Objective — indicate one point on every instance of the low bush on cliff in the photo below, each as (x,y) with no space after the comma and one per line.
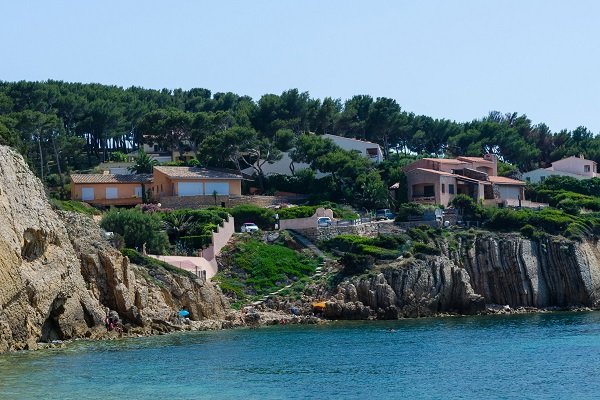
(74,206)
(381,247)
(422,248)
(549,220)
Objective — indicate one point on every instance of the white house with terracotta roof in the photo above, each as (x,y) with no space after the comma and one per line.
(574,167)
(439,180)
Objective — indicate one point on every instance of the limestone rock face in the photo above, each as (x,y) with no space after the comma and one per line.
(552,272)
(407,288)
(504,269)
(59,275)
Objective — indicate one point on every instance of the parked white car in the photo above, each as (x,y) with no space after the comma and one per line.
(249,227)
(324,222)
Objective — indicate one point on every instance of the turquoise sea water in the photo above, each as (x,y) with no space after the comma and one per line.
(524,356)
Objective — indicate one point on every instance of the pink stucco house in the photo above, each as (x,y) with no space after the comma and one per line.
(439,180)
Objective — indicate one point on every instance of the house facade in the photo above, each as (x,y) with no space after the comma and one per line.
(439,180)
(126,190)
(192,181)
(109,189)
(574,167)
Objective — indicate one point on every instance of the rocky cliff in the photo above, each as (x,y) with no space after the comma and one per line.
(486,269)
(59,276)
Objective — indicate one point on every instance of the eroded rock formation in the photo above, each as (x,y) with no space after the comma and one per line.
(59,275)
(504,269)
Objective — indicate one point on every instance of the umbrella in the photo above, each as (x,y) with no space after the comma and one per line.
(184,313)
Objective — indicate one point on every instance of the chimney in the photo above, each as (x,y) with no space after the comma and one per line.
(490,157)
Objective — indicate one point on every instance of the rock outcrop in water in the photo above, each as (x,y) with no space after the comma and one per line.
(487,269)
(58,274)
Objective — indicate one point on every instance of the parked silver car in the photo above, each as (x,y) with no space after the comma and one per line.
(249,227)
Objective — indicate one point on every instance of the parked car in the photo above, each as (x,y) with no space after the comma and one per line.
(324,221)
(384,213)
(249,227)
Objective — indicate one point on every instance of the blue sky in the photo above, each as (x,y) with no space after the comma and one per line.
(447,59)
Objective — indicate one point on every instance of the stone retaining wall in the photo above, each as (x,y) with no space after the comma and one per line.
(371,229)
(177,202)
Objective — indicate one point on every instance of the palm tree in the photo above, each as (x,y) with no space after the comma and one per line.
(143,165)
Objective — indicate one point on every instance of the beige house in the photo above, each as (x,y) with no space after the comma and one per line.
(439,180)
(126,190)
(192,181)
(574,167)
(109,189)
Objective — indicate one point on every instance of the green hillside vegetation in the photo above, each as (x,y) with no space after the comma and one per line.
(61,127)
(179,232)
(74,206)
(256,268)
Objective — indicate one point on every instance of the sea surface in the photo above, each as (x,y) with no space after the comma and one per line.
(533,356)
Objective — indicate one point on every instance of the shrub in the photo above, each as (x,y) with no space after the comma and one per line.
(74,206)
(570,206)
(409,210)
(137,229)
(354,264)
(264,218)
(528,231)
(422,248)
(297,212)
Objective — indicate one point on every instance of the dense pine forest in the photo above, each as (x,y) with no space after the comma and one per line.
(60,127)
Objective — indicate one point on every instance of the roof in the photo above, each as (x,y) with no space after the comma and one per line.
(195,173)
(111,178)
(476,159)
(445,160)
(575,157)
(501,180)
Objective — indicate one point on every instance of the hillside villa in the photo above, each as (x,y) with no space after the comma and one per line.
(574,167)
(439,180)
(113,189)
(109,189)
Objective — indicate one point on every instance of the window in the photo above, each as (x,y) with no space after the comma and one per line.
(528,179)
(443,188)
(451,188)
(156,147)
(428,191)
(586,168)
(542,178)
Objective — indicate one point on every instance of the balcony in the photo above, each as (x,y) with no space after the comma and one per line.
(423,199)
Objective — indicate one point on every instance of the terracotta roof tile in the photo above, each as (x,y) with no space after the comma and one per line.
(445,160)
(111,178)
(195,173)
(475,159)
(501,180)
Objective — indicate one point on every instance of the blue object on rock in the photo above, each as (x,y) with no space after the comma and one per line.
(184,313)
